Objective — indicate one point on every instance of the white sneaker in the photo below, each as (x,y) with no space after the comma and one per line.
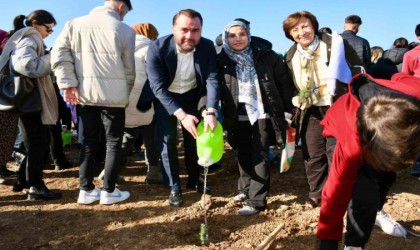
(241,197)
(114,197)
(352,248)
(88,197)
(389,225)
(248,210)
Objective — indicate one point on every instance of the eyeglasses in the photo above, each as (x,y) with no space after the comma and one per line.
(49,29)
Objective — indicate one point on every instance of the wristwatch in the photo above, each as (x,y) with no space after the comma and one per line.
(211,113)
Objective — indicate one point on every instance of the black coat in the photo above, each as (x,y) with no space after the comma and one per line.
(389,64)
(277,89)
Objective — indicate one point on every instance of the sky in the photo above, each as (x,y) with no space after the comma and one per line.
(383,21)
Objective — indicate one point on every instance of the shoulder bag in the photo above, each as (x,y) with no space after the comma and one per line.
(18,93)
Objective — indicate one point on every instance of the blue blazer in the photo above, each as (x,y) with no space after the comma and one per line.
(161,68)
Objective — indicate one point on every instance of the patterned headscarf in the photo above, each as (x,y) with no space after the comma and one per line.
(146,29)
(249,89)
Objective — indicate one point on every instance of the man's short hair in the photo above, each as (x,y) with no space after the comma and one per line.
(243,20)
(127,2)
(353,19)
(389,131)
(189,13)
(417,30)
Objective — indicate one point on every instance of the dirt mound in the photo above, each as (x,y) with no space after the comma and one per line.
(146,221)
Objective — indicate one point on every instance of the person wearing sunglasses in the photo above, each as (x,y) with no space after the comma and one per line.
(25,49)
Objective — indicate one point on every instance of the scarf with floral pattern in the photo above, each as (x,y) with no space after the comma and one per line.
(248,85)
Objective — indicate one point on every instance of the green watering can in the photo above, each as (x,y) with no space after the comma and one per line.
(209,144)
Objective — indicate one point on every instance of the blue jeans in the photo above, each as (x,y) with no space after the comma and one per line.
(415,169)
(112,119)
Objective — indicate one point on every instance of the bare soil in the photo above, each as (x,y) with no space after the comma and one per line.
(146,221)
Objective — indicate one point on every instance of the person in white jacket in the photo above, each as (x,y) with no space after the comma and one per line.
(93,60)
(142,122)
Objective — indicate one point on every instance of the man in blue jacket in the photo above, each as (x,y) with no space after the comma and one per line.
(182,73)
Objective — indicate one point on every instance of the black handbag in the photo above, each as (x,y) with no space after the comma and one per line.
(18,93)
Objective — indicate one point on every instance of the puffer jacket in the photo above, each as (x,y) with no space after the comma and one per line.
(95,53)
(389,64)
(360,45)
(276,86)
(26,51)
(133,117)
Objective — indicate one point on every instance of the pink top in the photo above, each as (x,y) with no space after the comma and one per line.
(411,62)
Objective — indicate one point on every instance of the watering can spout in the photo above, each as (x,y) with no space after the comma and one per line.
(205,161)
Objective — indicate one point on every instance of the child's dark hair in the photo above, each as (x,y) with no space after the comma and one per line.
(389,131)
(417,30)
(400,43)
(38,17)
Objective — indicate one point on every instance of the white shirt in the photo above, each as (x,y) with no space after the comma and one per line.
(184,80)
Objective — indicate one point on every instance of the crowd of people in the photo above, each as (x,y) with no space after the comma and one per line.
(356,109)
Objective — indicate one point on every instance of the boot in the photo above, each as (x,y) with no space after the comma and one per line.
(154,175)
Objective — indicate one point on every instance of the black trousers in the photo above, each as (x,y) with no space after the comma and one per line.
(167,135)
(253,143)
(36,140)
(56,145)
(95,118)
(369,196)
(315,150)
(148,134)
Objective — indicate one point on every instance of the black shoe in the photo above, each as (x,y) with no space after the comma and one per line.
(19,185)
(64,164)
(199,187)
(6,172)
(175,198)
(42,193)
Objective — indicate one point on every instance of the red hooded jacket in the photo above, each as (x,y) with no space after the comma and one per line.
(340,123)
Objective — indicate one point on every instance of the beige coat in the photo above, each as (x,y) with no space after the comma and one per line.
(95,53)
(28,59)
(133,117)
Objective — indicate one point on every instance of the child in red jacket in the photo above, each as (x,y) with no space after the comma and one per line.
(376,127)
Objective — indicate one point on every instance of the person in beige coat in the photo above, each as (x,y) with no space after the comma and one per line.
(93,60)
(25,55)
(137,122)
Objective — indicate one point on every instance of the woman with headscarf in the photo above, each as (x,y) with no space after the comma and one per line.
(319,64)
(256,93)
(26,51)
